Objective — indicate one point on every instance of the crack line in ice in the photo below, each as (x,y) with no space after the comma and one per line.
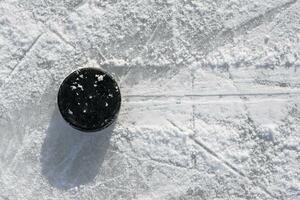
(22,58)
(230,166)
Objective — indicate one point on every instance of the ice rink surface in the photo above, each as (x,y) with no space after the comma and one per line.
(210,99)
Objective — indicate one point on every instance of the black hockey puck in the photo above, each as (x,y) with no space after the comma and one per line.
(89,99)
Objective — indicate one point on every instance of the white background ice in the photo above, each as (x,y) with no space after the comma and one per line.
(211,99)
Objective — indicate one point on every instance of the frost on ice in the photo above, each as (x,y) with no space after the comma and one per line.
(211,96)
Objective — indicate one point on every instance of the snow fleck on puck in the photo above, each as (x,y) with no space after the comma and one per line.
(89,99)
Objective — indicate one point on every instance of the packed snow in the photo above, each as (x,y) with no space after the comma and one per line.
(210,99)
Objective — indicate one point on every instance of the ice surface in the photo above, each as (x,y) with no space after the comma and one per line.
(210,90)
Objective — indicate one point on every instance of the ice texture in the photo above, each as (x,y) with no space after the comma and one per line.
(210,90)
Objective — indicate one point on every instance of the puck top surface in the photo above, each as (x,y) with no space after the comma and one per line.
(89,99)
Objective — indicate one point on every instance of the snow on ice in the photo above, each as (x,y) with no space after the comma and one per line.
(210,91)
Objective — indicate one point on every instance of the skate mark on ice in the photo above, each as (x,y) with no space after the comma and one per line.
(268,16)
(230,166)
(214,154)
(154,33)
(159,162)
(175,125)
(225,36)
(152,36)
(193,117)
(161,96)
(61,37)
(22,57)
(165,163)
(79,5)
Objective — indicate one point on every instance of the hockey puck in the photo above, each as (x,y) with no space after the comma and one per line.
(89,99)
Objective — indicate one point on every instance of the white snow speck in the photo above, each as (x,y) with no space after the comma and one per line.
(80,86)
(73,87)
(100,77)
(70,112)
